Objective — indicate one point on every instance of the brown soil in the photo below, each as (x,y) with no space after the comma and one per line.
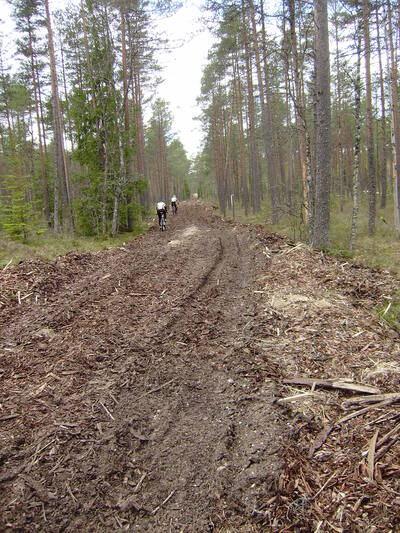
(137,386)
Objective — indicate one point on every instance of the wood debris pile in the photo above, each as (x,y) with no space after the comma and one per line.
(340,388)
(38,279)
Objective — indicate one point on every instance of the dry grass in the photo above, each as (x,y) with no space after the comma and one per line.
(47,246)
(381,251)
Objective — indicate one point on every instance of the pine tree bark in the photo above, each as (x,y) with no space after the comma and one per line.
(395,130)
(370,130)
(301,125)
(242,149)
(254,164)
(45,189)
(341,171)
(356,165)
(58,129)
(322,127)
(266,114)
(383,165)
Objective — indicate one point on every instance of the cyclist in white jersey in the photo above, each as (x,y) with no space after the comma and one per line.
(161,208)
(174,204)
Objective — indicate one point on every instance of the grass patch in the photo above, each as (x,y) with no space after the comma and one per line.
(47,246)
(390,313)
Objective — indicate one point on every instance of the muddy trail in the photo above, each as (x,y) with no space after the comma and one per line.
(138,386)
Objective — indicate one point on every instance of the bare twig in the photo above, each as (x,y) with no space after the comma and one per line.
(106,410)
(360,400)
(320,439)
(138,486)
(323,486)
(157,388)
(7,265)
(293,398)
(154,511)
(71,493)
(371,455)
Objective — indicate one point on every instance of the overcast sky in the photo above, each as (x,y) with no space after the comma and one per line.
(183,70)
(182,66)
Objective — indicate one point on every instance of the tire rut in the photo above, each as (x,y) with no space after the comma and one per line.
(150,393)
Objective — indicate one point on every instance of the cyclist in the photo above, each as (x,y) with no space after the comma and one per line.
(174,204)
(161,208)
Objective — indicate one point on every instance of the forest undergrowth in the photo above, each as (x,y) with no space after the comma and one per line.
(380,251)
(47,246)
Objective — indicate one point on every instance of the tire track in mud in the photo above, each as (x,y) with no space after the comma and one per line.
(171,408)
(217,460)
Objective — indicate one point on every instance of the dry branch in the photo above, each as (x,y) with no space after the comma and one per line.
(364,410)
(328,384)
(360,400)
(320,439)
(371,455)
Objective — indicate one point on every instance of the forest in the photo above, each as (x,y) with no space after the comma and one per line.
(76,154)
(299,112)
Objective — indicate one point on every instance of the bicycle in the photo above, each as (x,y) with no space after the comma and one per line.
(174,208)
(163,222)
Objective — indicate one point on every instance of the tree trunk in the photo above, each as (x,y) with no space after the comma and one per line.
(45,189)
(383,165)
(266,115)
(57,119)
(322,127)
(341,171)
(301,125)
(71,139)
(242,149)
(356,168)
(395,131)
(370,131)
(255,174)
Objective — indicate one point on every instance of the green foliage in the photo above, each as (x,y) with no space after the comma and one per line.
(18,212)
(178,166)
(186,190)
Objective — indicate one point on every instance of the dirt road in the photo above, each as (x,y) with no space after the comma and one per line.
(137,387)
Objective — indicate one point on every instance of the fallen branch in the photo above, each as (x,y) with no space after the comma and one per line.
(362,411)
(386,448)
(9,417)
(106,410)
(371,455)
(323,486)
(386,437)
(295,397)
(7,265)
(328,384)
(139,484)
(320,439)
(360,400)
